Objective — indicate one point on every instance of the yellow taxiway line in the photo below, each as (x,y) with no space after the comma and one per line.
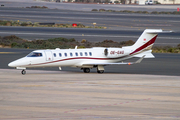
(8,52)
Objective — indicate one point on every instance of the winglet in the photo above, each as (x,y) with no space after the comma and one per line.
(138,61)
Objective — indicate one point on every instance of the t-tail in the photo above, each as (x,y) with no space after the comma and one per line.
(145,42)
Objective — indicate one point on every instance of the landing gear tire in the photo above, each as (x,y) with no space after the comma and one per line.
(100,71)
(86,70)
(23,72)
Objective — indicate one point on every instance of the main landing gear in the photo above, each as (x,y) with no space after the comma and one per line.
(23,72)
(100,69)
(86,70)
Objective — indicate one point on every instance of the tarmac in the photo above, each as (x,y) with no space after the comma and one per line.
(88,7)
(60,95)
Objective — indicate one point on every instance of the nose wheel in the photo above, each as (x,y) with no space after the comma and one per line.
(23,72)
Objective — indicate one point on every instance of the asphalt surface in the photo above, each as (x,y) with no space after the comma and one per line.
(110,20)
(120,93)
(120,27)
(87,7)
(65,95)
(92,35)
(163,64)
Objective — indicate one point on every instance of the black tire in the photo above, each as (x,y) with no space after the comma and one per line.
(23,72)
(86,70)
(100,71)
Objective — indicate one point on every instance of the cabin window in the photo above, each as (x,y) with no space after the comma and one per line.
(86,54)
(90,53)
(76,54)
(60,55)
(81,54)
(54,54)
(65,54)
(34,54)
(71,54)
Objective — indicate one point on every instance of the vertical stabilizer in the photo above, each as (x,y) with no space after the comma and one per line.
(145,41)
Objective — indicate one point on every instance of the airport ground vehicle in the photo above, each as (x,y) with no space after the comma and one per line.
(149,2)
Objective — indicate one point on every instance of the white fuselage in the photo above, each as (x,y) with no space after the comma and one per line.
(71,57)
(96,57)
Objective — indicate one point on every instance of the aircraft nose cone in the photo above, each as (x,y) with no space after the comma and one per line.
(15,63)
(19,63)
(11,64)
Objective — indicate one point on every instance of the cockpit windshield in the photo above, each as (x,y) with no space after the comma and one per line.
(34,54)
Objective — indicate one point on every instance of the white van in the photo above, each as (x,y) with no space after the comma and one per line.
(149,2)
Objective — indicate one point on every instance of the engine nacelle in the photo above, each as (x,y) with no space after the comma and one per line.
(115,52)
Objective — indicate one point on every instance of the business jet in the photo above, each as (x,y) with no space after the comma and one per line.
(86,59)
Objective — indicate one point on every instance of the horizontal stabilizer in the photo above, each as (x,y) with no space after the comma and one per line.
(122,63)
(156,31)
(147,54)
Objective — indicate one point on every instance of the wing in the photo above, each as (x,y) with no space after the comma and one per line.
(122,63)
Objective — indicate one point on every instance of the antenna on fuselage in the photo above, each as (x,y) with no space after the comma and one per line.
(76,47)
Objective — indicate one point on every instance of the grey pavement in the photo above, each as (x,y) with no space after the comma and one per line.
(92,35)
(58,95)
(88,7)
(120,27)
(120,93)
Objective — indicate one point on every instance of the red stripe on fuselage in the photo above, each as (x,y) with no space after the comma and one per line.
(145,45)
(79,58)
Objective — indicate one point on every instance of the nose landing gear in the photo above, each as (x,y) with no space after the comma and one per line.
(23,72)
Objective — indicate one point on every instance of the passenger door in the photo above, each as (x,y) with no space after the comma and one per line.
(48,55)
